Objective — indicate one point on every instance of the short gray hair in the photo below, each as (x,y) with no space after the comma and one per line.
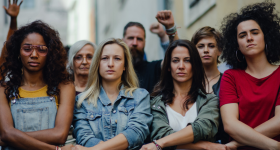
(75,48)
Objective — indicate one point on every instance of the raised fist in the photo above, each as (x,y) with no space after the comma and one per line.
(165,17)
(158,29)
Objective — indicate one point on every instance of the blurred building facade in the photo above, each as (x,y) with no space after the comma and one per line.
(191,15)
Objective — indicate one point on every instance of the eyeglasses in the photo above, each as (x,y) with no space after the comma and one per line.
(80,59)
(42,50)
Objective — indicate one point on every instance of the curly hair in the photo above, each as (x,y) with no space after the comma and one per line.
(54,71)
(267,18)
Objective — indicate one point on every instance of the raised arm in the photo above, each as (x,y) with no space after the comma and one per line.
(58,134)
(166,18)
(14,137)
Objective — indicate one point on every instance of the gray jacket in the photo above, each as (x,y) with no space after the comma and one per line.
(205,126)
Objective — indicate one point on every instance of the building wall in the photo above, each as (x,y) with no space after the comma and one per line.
(52,12)
(212,17)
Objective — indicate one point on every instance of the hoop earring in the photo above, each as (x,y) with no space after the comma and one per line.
(237,56)
(266,51)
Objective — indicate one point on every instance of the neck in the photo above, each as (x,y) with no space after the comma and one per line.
(80,82)
(211,71)
(111,89)
(32,78)
(258,64)
(182,89)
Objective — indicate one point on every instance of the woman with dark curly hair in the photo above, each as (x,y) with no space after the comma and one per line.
(250,92)
(36,95)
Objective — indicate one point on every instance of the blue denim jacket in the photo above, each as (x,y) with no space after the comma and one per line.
(129,115)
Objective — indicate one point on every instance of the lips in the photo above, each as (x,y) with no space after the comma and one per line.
(206,56)
(181,74)
(251,45)
(110,71)
(33,64)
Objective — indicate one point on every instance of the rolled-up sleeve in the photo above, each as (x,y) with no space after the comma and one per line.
(82,130)
(206,125)
(137,128)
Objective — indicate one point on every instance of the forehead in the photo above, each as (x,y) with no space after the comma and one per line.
(181,52)
(134,31)
(112,49)
(207,40)
(34,39)
(247,26)
(87,49)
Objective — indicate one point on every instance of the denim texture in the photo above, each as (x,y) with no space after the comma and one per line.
(129,115)
(33,114)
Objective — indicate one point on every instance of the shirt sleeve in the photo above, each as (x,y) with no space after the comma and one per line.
(278,98)
(139,121)
(82,130)
(228,89)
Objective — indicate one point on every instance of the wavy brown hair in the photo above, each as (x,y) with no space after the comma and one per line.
(54,71)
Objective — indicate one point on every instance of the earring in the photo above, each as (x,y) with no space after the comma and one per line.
(18,57)
(237,56)
(266,51)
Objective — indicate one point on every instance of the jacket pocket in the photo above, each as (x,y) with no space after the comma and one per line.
(95,121)
(29,120)
(125,113)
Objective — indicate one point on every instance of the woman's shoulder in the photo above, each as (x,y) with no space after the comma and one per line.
(139,93)
(156,99)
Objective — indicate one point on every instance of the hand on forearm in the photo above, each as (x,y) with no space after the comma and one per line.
(202,145)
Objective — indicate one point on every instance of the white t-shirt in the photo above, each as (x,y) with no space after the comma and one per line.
(176,121)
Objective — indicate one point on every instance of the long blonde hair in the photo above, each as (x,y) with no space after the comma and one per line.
(129,77)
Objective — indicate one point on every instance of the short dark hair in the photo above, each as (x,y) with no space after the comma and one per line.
(130,24)
(205,32)
(165,86)
(265,15)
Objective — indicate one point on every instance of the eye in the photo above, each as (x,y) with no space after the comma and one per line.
(255,33)
(175,61)
(117,58)
(78,57)
(200,46)
(89,57)
(187,60)
(104,58)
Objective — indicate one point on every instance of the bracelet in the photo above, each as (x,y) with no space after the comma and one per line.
(157,145)
(172,30)
(57,148)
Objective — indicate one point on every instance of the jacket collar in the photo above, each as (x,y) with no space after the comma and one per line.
(106,101)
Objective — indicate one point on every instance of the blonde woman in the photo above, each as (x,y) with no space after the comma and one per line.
(112,112)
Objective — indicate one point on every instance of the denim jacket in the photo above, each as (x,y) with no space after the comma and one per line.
(129,115)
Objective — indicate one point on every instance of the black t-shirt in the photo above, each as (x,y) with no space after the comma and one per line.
(148,74)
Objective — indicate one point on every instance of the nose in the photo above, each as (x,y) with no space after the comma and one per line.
(205,49)
(34,54)
(84,60)
(135,43)
(181,65)
(111,63)
(249,37)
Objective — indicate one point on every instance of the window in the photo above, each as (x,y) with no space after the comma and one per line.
(194,9)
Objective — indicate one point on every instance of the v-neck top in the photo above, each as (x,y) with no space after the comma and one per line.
(177,121)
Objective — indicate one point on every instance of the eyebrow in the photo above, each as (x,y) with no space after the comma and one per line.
(245,31)
(178,57)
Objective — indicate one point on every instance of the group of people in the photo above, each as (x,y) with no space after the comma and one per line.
(115,99)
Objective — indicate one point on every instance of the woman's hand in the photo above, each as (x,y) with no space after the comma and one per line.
(150,146)
(13,9)
(215,146)
(68,147)
(165,17)
(232,145)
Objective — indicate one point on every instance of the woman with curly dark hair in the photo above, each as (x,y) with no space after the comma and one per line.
(250,92)
(36,95)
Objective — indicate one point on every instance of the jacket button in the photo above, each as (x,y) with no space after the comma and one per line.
(154,106)
(116,121)
(125,111)
(114,111)
(91,116)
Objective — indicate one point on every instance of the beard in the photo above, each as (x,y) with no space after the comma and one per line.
(137,56)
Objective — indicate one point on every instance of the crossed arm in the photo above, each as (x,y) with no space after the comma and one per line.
(44,139)
(259,137)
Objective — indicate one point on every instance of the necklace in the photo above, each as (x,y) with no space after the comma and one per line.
(210,81)
(213,78)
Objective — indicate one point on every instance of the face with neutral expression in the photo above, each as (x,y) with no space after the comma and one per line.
(181,68)
(208,50)
(250,38)
(135,39)
(33,62)
(112,63)
(82,60)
